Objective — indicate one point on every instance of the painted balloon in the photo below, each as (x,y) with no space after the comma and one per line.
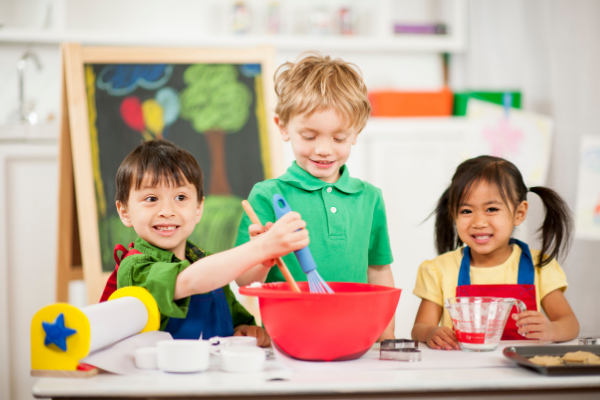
(153,117)
(131,112)
(168,98)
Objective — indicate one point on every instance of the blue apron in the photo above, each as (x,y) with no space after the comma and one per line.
(524,290)
(208,315)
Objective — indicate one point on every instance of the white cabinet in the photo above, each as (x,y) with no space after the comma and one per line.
(28,208)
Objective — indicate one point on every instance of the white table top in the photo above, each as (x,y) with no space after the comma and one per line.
(216,383)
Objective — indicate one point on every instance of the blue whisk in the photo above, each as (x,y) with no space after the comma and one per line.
(316,284)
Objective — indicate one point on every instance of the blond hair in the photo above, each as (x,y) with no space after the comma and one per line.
(318,83)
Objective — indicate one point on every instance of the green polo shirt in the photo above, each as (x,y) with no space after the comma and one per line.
(346,223)
(157,269)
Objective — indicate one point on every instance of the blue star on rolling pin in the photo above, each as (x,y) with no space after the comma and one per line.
(57,333)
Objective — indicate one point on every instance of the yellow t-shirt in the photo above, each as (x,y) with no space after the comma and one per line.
(437,279)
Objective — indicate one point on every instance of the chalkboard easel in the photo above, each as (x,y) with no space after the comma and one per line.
(79,251)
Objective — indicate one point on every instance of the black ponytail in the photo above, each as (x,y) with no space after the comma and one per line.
(557,229)
(446,237)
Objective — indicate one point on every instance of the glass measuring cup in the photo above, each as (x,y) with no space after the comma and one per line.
(479,321)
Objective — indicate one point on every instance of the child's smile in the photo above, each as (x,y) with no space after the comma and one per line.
(321,146)
(166,230)
(323,163)
(163,216)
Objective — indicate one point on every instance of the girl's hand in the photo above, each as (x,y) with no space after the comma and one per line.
(286,235)
(442,337)
(256,230)
(262,337)
(535,325)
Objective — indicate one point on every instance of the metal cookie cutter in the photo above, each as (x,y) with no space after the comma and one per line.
(408,354)
(390,344)
(588,340)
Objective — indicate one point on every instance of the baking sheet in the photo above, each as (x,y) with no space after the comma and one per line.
(520,355)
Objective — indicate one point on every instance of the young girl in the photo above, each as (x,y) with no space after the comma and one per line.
(486,200)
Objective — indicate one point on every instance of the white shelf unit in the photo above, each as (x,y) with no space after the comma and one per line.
(210,33)
(282,43)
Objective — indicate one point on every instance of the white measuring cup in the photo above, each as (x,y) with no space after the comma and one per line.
(479,321)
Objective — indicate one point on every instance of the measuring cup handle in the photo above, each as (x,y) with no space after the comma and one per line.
(520,306)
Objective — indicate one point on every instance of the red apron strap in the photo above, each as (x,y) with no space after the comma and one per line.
(118,248)
(111,284)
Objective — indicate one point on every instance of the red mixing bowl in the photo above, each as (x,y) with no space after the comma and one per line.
(325,327)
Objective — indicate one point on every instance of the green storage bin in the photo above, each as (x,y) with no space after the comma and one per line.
(461,99)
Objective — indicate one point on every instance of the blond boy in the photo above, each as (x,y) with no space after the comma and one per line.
(322,107)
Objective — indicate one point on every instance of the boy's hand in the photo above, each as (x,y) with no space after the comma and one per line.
(286,235)
(262,337)
(442,337)
(256,230)
(535,325)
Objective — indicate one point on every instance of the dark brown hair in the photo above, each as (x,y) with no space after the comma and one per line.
(555,232)
(162,162)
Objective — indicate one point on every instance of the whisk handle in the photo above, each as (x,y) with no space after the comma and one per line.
(304,256)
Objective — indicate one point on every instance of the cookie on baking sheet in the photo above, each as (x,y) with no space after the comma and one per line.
(592,359)
(577,356)
(547,361)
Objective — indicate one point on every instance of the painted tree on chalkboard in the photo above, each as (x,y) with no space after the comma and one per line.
(215,103)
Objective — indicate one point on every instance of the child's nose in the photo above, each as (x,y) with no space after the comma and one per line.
(166,210)
(323,148)
(480,222)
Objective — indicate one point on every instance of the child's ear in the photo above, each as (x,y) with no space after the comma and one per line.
(200,210)
(355,138)
(282,129)
(521,212)
(124,214)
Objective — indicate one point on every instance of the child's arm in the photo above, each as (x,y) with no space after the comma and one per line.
(217,270)
(560,325)
(427,329)
(382,275)
(259,272)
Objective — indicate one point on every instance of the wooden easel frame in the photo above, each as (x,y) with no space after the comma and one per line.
(78,250)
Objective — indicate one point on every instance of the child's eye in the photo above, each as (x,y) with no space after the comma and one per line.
(151,199)
(492,209)
(339,140)
(180,197)
(465,211)
(308,137)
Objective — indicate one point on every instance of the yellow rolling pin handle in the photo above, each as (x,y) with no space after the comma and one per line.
(145,297)
(78,344)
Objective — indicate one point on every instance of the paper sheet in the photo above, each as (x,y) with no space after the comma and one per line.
(587,211)
(120,358)
(431,359)
(523,138)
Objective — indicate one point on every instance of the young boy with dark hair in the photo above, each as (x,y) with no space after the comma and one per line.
(160,194)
